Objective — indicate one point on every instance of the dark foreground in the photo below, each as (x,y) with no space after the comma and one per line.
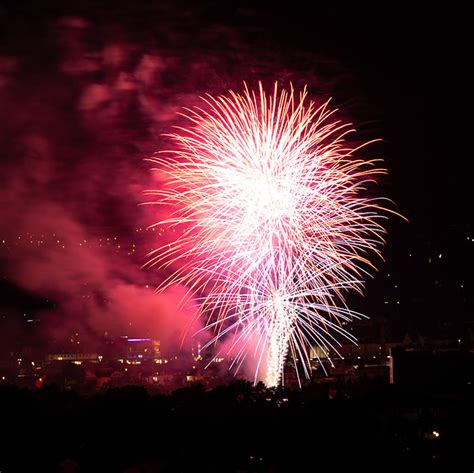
(235,428)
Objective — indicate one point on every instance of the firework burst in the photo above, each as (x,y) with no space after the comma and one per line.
(273,223)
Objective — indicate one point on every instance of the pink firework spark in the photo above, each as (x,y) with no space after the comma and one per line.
(273,225)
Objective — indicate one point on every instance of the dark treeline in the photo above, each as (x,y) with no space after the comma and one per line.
(235,428)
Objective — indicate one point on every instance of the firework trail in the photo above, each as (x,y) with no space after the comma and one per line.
(267,199)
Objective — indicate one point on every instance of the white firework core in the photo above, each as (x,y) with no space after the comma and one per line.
(274,225)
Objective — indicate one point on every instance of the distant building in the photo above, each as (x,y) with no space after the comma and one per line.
(318,353)
(432,370)
(140,348)
(78,357)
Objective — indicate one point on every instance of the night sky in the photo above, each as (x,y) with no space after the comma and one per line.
(87,91)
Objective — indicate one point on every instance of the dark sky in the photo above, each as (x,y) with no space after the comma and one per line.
(86,92)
